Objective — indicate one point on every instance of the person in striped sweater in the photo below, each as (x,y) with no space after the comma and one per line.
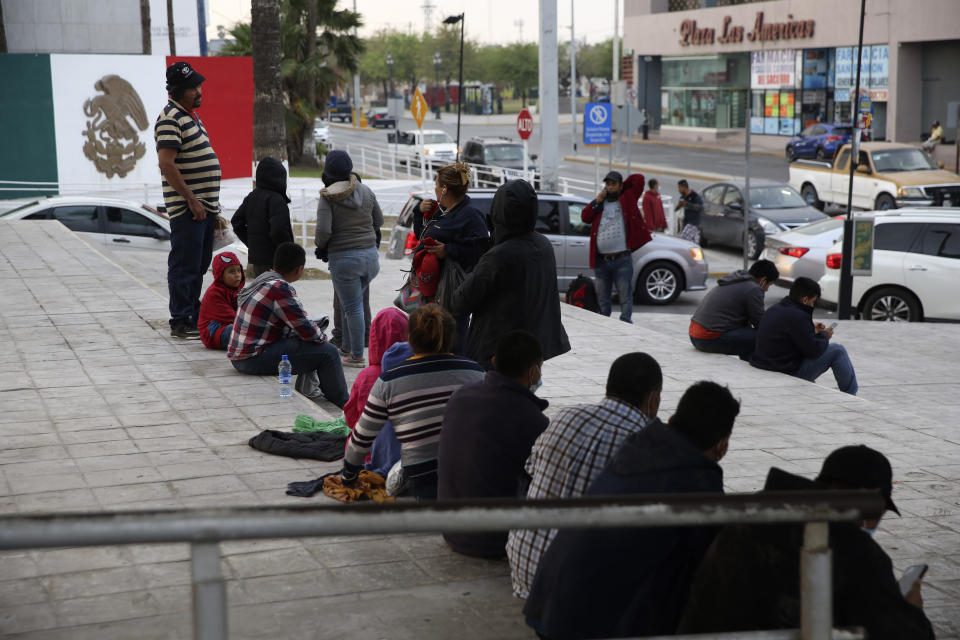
(413,396)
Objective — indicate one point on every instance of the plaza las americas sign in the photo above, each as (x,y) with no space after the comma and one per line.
(792,29)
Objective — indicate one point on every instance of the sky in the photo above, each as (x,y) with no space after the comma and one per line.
(489,21)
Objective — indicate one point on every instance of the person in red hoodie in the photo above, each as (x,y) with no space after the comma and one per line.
(617,229)
(388,347)
(219,306)
(653,208)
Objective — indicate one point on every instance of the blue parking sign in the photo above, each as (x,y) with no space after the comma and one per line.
(597,124)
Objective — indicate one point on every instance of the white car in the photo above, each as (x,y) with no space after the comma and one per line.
(321,131)
(802,252)
(916,268)
(109,222)
(438,147)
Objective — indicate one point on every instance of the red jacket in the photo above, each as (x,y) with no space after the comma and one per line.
(388,327)
(633,222)
(219,306)
(653,211)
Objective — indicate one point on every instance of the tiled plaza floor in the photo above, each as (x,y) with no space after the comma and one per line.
(101,410)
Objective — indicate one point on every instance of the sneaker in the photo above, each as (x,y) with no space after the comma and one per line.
(351,361)
(184,332)
(343,352)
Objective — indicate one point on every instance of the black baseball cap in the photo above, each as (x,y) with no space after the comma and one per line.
(181,74)
(614,176)
(859,467)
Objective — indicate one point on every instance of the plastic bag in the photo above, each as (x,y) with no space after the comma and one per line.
(222,234)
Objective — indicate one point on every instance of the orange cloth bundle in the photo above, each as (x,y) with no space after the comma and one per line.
(369,486)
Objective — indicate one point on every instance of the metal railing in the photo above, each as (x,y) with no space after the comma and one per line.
(205,529)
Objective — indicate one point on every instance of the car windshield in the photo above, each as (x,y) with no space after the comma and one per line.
(436,138)
(20,208)
(504,153)
(902,160)
(780,197)
(822,226)
(842,131)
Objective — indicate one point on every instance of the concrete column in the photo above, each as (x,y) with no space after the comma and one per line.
(905,93)
(549,103)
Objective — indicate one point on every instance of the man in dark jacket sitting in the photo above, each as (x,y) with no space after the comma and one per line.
(790,342)
(514,284)
(607,583)
(488,430)
(263,220)
(727,317)
(750,577)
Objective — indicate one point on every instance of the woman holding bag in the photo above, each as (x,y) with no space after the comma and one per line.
(451,228)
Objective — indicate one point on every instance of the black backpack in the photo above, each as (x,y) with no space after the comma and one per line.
(581,293)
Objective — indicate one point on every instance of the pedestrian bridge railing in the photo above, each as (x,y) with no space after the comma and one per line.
(205,529)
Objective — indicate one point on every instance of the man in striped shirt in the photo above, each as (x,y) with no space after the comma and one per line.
(191,195)
(577,445)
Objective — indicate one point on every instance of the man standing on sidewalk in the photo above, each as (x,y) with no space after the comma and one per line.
(617,230)
(191,194)
(692,205)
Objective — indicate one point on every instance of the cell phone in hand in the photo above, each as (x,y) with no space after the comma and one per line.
(834,325)
(911,575)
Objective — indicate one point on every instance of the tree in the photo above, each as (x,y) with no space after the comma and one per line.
(311,66)
(146,40)
(268,115)
(172,35)
(596,61)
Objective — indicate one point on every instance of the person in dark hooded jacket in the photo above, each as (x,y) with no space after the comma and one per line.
(749,579)
(263,220)
(609,583)
(514,284)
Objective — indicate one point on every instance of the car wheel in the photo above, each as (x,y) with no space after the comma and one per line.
(892,305)
(754,243)
(791,154)
(809,193)
(821,154)
(885,201)
(659,283)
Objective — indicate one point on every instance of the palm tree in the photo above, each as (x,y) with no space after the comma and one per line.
(311,67)
(170,32)
(268,120)
(146,39)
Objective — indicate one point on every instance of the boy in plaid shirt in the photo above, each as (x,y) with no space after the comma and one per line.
(271,323)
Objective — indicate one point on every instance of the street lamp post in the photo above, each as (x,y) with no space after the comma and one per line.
(455,20)
(436,70)
(390,66)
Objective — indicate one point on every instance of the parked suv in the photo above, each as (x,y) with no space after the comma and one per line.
(501,157)
(916,268)
(664,267)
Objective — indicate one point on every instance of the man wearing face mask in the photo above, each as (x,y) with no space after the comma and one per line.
(750,577)
(617,229)
(488,430)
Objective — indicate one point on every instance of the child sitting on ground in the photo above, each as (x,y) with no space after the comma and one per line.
(388,330)
(219,306)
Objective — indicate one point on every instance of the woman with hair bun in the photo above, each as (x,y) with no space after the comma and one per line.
(457,229)
(413,396)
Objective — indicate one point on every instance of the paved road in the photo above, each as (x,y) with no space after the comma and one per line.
(764,167)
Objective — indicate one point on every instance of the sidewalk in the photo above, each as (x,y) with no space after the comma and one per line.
(101,410)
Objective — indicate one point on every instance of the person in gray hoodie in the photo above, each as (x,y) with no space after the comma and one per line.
(347,215)
(727,318)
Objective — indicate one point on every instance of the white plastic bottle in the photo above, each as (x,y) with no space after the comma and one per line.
(285,371)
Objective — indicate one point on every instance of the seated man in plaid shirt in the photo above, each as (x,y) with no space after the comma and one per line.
(271,323)
(577,445)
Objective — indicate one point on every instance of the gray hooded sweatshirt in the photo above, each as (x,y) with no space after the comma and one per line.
(736,302)
(347,216)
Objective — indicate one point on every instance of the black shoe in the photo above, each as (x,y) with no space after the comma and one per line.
(184,332)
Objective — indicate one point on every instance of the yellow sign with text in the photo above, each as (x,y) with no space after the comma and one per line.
(862,264)
(418,108)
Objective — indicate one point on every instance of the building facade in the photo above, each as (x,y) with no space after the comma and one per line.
(701,63)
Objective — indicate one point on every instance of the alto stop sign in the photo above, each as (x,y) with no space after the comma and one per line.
(524,124)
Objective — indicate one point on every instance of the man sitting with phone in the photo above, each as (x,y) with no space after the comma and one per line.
(750,576)
(789,341)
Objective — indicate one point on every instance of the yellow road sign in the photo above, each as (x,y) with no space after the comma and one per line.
(418,108)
